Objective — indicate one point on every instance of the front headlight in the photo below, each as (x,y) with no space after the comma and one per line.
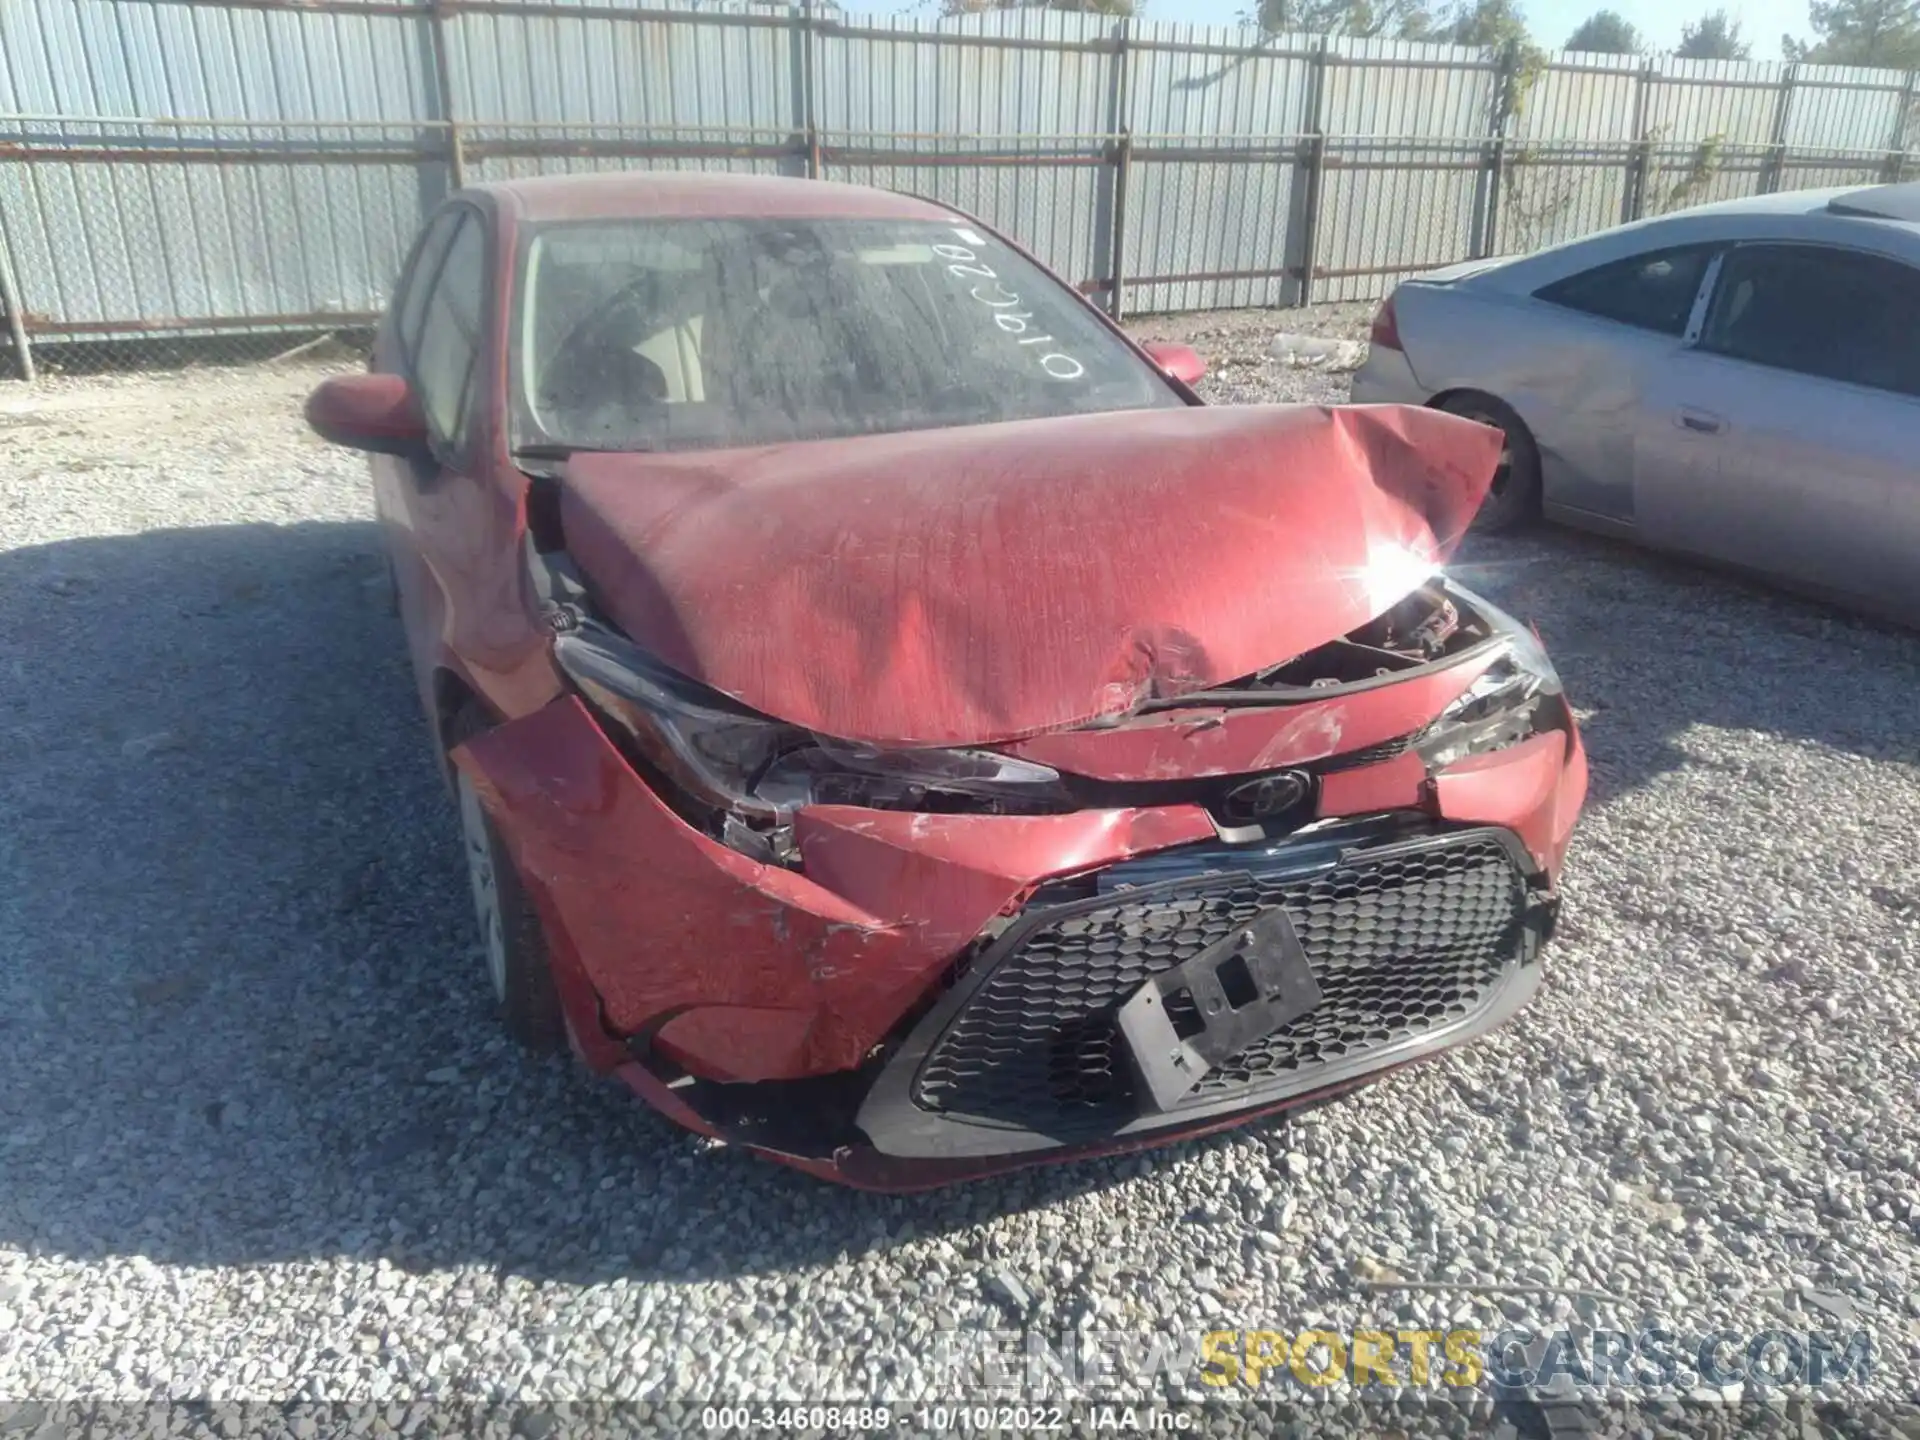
(837,772)
(747,772)
(1502,707)
(704,743)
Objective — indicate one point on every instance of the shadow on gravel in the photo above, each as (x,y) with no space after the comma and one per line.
(1652,647)
(241,1017)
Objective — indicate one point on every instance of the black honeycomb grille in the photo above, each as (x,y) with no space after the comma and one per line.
(1399,942)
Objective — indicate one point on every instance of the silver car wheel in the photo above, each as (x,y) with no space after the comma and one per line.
(1513,493)
(485,884)
(1503,472)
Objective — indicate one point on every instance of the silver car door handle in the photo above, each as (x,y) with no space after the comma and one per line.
(1703,422)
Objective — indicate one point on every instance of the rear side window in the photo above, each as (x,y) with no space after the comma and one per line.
(444,361)
(1816,310)
(1653,292)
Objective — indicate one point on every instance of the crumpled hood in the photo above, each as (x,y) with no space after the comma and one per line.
(977,585)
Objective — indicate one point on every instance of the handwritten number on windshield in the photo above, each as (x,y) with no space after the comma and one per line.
(964,264)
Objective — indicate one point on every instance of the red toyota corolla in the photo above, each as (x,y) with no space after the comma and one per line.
(896,727)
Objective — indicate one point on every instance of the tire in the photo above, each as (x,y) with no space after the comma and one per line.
(511,941)
(1513,500)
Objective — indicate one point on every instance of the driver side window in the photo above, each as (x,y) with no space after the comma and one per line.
(418,285)
(614,320)
(443,362)
(1817,310)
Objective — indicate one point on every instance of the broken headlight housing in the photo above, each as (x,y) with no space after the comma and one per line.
(1512,700)
(745,773)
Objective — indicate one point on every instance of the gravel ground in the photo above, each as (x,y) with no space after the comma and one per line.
(258,1137)
(1235,345)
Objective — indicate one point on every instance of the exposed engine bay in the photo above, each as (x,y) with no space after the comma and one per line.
(1427,626)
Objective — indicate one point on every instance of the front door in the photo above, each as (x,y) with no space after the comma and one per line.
(453,528)
(1613,326)
(1787,439)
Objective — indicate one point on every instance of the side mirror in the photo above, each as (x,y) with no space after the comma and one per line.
(376,413)
(1179,361)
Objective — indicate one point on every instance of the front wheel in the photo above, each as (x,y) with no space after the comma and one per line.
(511,939)
(1513,499)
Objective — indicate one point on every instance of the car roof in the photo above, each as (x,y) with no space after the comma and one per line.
(637,194)
(1874,217)
(1881,202)
(1784,202)
(1900,203)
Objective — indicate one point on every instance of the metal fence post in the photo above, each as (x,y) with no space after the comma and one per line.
(443,80)
(1896,163)
(1315,160)
(1774,170)
(1122,172)
(809,117)
(1505,102)
(1122,157)
(1633,204)
(16,316)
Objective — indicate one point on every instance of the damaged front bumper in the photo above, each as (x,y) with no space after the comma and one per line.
(931,997)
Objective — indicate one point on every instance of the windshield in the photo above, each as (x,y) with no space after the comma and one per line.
(683,334)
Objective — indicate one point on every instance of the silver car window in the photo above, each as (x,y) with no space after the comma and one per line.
(1819,310)
(1654,291)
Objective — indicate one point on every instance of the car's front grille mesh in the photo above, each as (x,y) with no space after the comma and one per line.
(1399,943)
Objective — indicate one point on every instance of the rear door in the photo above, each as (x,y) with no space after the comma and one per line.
(1786,439)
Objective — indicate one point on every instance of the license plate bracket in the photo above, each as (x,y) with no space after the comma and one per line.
(1242,989)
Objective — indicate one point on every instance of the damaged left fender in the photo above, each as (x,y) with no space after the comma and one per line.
(745,971)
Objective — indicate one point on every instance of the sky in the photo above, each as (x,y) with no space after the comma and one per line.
(1552,21)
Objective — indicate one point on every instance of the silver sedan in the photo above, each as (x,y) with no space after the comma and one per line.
(1739,382)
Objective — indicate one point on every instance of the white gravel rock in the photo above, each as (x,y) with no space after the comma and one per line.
(1317,352)
(259,1137)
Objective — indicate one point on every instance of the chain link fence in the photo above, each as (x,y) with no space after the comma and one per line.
(186,180)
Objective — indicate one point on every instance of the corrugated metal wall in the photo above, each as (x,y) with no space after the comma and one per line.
(1406,161)
(1006,116)
(189,166)
(1215,184)
(185,168)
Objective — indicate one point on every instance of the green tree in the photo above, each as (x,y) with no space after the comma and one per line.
(1400,19)
(1491,23)
(1714,36)
(1861,32)
(1606,32)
